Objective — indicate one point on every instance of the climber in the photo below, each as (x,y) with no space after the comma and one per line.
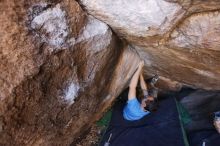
(133,109)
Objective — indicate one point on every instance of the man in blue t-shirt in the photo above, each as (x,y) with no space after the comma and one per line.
(135,110)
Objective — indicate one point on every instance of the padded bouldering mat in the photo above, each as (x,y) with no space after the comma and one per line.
(161,128)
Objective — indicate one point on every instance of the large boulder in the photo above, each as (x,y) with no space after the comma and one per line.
(138,21)
(60,70)
(178,39)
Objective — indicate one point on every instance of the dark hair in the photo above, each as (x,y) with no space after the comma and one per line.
(151,105)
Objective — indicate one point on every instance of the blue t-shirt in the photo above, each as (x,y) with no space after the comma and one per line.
(133,111)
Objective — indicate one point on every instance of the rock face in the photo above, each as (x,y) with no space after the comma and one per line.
(178,40)
(57,65)
(61,68)
(136,19)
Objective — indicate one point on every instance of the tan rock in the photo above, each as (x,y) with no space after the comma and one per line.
(61,68)
(178,40)
(139,20)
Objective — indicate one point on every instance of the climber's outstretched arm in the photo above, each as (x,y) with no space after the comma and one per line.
(142,82)
(134,81)
(143,85)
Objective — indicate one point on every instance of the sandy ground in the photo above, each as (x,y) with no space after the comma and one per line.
(91,138)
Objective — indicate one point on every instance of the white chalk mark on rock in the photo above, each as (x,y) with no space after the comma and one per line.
(93,28)
(71,93)
(205,73)
(51,26)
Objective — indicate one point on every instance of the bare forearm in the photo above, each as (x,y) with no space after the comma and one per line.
(131,93)
(134,82)
(143,86)
(142,82)
(133,85)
